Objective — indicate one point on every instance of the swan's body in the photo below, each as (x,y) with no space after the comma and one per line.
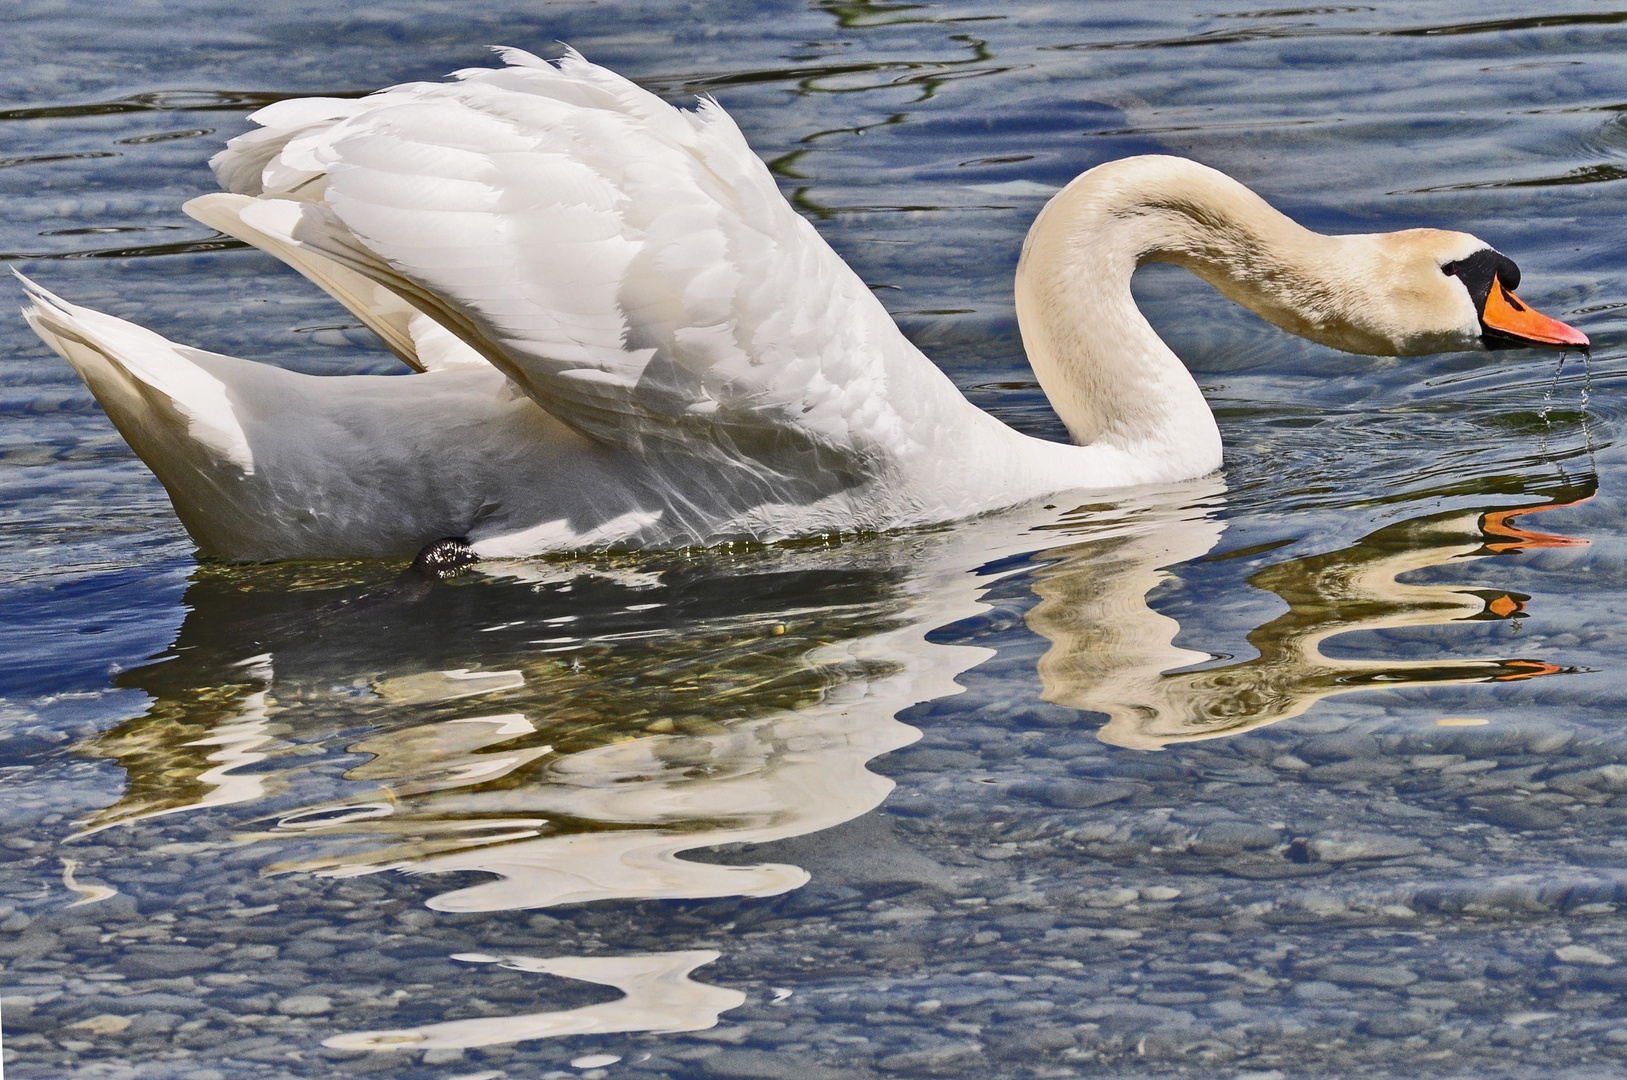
(649,347)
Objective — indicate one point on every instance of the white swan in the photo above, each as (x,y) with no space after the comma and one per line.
(706,367)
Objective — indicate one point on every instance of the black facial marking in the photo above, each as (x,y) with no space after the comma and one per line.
(1478,272)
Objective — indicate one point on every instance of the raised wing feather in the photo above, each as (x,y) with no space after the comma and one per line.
(632,265)
(269,224)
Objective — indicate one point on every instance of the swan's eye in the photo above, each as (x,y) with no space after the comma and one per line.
(1450,269)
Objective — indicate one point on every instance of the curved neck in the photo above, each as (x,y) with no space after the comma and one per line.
(1110,377)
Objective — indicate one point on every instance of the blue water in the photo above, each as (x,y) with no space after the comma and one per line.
(1310,769)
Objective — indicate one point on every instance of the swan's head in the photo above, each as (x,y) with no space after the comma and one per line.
(1431,291)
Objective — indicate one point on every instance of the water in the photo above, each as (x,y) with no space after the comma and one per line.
(1310,769)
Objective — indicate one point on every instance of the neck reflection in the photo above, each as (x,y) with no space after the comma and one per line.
(1110,653)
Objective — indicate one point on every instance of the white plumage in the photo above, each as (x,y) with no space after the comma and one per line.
(624,337)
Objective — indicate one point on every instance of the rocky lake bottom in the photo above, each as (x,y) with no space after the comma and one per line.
(1024,906)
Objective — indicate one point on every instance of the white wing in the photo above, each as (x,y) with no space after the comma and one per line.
(630,264)
(269,224)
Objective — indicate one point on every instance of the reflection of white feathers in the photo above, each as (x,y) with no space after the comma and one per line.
(660,997)
(765,779)
(446,686)
(759,778)
(239,740)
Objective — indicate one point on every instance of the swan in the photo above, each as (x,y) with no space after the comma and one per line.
(623,336)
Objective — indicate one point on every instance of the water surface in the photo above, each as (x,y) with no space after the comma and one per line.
(1310,768)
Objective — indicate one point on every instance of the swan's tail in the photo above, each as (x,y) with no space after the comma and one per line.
(171,410)
(265,463)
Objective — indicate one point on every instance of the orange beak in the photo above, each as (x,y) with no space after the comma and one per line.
(1508,317)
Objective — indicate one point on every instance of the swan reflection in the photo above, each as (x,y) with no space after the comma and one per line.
(596,724)
(609,822)
(738,699)
(569,730)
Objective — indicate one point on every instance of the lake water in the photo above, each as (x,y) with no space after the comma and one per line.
(1314,768)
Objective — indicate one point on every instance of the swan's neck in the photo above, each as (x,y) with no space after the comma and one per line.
(1109,376)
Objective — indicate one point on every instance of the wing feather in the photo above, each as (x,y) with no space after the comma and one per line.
(632,265)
